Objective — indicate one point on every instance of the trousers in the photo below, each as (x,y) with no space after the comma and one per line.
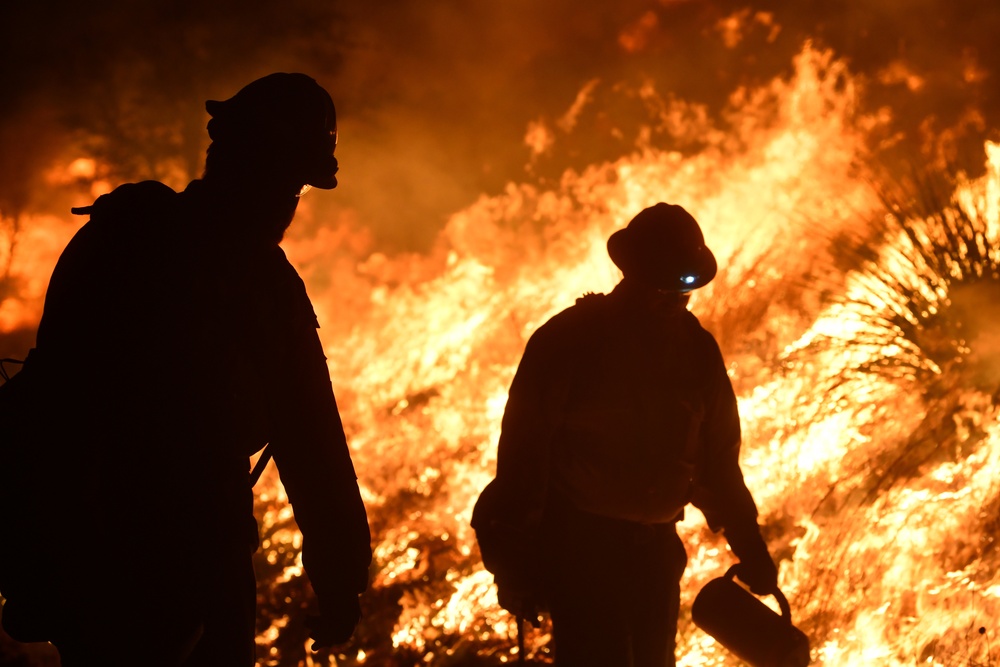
(613,590)
(208,626)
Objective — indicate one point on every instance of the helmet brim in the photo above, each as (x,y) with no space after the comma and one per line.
(661,266)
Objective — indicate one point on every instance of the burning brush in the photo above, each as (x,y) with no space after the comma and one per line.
(905,533)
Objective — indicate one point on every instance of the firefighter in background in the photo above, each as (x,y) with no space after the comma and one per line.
(176,341)
(620,414)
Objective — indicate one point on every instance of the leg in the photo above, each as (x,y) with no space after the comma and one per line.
(148,624)
(656,600)
(587,629)
(230,620)
(586,576)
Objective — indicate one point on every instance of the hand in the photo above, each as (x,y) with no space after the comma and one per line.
(520,602)
(755,569)
(760,576)
(333,627)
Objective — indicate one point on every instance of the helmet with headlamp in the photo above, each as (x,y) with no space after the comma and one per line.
(664,247)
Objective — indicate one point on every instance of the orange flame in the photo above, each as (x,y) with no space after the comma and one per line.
(880,567)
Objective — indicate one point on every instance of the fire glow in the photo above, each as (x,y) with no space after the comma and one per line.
(874,457)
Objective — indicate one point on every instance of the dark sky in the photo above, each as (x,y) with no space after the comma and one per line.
(435,97)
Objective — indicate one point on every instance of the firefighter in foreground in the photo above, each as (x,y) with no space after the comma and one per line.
(176,341)
(620,414)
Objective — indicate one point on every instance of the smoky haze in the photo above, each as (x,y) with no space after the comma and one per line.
(435,99)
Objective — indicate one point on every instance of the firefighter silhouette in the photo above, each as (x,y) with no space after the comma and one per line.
(620,414)
(176,341)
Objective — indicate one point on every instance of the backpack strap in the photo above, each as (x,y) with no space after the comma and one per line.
(3,371)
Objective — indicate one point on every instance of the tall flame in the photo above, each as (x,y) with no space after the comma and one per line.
(857,339)
(886,561)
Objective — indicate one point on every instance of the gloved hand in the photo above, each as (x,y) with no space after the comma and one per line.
(334,625)
(760,577)
(521,602)
(755,569)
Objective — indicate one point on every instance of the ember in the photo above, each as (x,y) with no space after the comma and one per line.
(858,323)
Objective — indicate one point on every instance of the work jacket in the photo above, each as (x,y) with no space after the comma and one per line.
(626,416)
(171,348)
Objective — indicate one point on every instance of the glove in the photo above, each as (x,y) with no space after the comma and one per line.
(760,578)
(334,626)
(521,602)
(755,569)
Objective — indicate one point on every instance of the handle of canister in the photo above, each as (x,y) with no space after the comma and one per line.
(786,609)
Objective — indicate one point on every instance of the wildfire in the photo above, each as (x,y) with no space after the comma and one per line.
(857,330)
(427,366)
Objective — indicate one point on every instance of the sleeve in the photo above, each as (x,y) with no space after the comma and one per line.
(720,492)
(314,463)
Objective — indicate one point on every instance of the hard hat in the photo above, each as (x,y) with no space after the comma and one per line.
(663,246)
(281,114)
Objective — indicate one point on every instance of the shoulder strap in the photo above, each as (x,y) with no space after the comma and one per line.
(3,371)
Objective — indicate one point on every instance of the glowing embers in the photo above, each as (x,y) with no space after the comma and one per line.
(917,565)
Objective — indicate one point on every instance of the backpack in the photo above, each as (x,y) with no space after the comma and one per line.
(49,500)
(39,488)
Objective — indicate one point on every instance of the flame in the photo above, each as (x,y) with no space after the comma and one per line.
(29,248)
(854,335)
(423,373)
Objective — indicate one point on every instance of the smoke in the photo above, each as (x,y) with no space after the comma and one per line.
(436,100)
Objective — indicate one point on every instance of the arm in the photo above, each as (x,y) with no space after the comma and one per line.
(314,462)
(720,491)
